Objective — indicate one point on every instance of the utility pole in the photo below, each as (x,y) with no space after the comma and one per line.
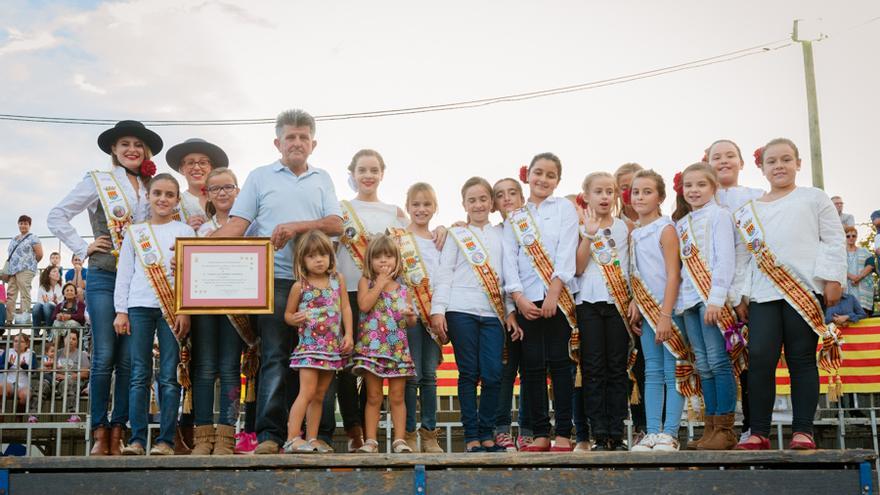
(812,108)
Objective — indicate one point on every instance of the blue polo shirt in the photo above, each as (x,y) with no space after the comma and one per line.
(273,195)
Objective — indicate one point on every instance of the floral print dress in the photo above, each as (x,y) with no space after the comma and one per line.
(382,348)
(320,338)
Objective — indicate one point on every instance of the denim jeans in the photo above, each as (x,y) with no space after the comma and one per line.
(279,385)
(110,352)
(146,325)
(216,352)
(505,398)
(713,363)
(422,388)
(604,354)
(42,314)
(660,370)
(477,342)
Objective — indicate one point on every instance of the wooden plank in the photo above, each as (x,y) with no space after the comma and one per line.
(509,482)
(682,459)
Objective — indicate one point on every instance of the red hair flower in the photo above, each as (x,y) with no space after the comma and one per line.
(626,196)
(524,174)
(148,169)
(759,157)
(677,185)
(204,190)
(580,201)
(705,158)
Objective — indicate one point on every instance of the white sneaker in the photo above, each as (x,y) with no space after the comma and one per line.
(665,443)
(745,435)
(646,444)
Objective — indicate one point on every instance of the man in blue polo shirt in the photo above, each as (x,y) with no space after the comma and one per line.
(285,198)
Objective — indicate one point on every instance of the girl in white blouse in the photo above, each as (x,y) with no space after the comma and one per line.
(710,228)
(802,229)
(546,331)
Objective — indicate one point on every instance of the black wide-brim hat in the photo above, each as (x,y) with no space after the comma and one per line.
(132,128)
(175,154)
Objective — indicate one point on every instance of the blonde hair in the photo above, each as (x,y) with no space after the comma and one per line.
(682,207)
(210,209)
(421,187)
(312,242)
(382,244)
(588,181)
(477,181)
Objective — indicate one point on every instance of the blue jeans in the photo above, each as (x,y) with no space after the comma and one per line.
(660,370)
(279,385)
(110,352)
(42,314)
(505,398)
(713,363)
(426,356)
(477,342)
(216,351)
(146,324)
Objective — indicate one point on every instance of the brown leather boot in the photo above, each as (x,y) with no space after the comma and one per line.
(117,439)
(204,437)
(723,437)
(183,440)
(100,441)
(429,441)
(224,443)
(355,438)
(708,429)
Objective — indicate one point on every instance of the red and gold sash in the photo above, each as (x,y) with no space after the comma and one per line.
(117,211)
(355,237)
(795,293)
(416,277)
(478,257)
(687,382)
(735,333)
(250,363)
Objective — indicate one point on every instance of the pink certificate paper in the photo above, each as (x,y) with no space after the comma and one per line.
(224,275)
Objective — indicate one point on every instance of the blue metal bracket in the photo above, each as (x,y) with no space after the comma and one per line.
(4,482)
(866,479)
(419,480)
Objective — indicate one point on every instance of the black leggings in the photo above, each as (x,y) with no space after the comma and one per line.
(604,353)
(773,325)
(545,345)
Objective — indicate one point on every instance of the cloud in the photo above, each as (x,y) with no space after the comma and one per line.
(18,42)
(80,81)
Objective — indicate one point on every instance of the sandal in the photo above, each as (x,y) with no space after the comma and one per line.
(400,447)
(763,443)
(298,446)
(807,443)
(370,446)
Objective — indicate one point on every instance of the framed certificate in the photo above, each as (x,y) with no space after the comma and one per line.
(223,275)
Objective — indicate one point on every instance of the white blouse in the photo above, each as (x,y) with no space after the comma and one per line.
(715,236)
(430,257)
(191,205)
(133,290)
(591,283)
(55,295)
(736,196)
(558,224)
(85,196)
(802,229)
(457,287)
(376,218)
(648,256)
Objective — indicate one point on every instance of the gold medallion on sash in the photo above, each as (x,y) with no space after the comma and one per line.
(734,332)
(354,236)
(795,293)
(117,211)
(478,257)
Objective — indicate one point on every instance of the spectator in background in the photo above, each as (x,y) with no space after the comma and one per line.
(19,360)
(77,276)
(42,380)
(24,252)
(70,312)
(2,297)
(55,260)
(71,374)
(845,218)
(845,312)
(875,220)
(48,296)
(860,283)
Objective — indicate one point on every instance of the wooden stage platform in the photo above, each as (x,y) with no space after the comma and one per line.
(741,473)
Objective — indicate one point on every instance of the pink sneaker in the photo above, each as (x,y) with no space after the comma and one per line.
(33,419)
(246,442)
(506,441)
(523,442)
(74,419)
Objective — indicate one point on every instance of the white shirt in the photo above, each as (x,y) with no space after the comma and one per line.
(133,290)
(55,295)
(85,196)
(557,221)
(802,229)
(212,224)
(648,256)
(591,283)
(457,287)
(191,205)
(376,217)
(715,236)
(736,196)
(430,257)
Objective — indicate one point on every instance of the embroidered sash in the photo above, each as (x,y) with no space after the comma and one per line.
(116,208)
(415,275)
(687,382)
(529,237)
(604,254)
(795,293)
(478,257)
(354,236)
(735,333)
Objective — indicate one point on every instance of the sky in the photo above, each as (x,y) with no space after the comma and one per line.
(202,59)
